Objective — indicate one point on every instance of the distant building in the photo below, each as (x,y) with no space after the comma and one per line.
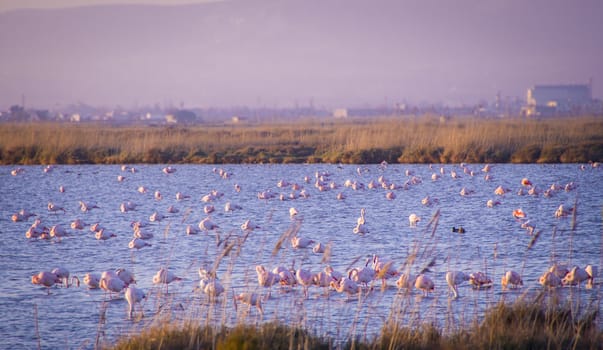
(340,113)
(551,100)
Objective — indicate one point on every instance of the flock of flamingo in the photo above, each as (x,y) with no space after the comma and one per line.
(355,281)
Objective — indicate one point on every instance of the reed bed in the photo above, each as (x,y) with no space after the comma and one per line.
(425,139)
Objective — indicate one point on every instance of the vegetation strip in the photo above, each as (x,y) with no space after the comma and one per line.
(354,141)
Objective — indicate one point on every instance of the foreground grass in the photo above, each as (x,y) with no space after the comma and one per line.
(522,325)
(423,139)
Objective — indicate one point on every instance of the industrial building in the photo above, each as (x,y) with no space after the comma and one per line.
(560,100)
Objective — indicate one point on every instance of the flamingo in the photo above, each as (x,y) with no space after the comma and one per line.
(120,178)
(248,225)
(140,234)
(46,279)
(127,206)
(92,280)
(519,214)
(191,230)
(512,279)
(322,279)
(345,285)
(525,182)
(168,170)
(104,235)
(301,242)
(156,217)
(318,248)
(501,190)
(231,207)
(479,279)
(208,209)
(491,203)
(286,277)
(181,196)
(22,215)
(266,278)
(77,224)
(561,211)
(166,277)
(413,219)
(110,282)
(87,207)
(142,189)
(172,209)
(137,243)
(251,299)
(390,195)
(293,212)
(305,279)
(57,231)
(364,275)
(53,208)
(62,274)
(210,284)
(383,270)
(575,276)
(207,225)
(454,278)
(133,295)
(560,270)
(550,280)
(405,281)
(424,284)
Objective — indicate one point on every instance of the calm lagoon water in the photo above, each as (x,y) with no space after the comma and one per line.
(494,242)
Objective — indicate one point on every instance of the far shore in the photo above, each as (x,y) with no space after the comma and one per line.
(421,139)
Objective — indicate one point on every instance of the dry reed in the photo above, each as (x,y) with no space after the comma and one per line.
(403,139)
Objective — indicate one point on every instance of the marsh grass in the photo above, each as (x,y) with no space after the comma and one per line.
(425,139)
(542,320)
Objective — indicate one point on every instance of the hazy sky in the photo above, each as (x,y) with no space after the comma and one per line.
(7,5)
(283,53)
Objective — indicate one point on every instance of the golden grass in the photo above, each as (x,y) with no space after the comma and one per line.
(404,139)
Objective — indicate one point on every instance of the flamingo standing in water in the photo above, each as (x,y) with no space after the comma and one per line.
(413,219)
(92,280)
(549,280)
(364,275)
(305,279)
(345,285)
(405,281)
(266,278)
(251,299)
(479,280)
(511,279)
(207,225)
(46,279)
(134,295)
(53,208)
(166,277)
(383,270)
(210,284)
(575,276)
(424,284)
(454,278)
(248,225)
(110,282)
(301,242)
(137,243)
